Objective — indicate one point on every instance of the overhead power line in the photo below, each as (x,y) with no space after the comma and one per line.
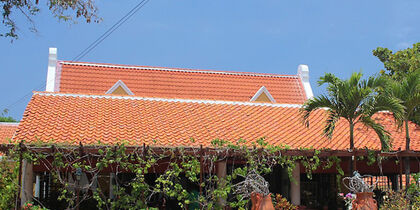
(92,46)
(111,30)
(23,97)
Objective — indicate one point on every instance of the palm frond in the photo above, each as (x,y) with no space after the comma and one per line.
(415,117)
(389,103)
(408,92)
(355,79)
(355,100)
(332,119)
(378,82)
(313,104)
(384,135)
(411,86)
(328,78)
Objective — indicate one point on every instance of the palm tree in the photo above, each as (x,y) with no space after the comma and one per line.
(355,100)
(408,91)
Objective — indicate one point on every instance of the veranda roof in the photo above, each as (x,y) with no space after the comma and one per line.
(72,118)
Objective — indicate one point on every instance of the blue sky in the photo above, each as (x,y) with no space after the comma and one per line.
(270,36)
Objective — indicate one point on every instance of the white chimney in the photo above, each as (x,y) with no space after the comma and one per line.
(52,70)
(303,73)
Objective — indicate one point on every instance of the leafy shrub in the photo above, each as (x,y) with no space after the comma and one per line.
(396,200)
(281,203)
(403,199)
(31,206)
(8,183)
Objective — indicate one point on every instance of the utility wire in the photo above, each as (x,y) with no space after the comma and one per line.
(94,44)
(24,97)
(111,30)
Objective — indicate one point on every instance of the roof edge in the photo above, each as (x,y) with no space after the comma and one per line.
(9,123)
(178,69)
(174,100)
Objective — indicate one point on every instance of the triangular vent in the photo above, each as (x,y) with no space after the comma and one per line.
(263,95)
(119,88)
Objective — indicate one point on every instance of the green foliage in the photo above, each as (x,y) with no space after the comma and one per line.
(8,183)
(399,64)
(396,200)
(184,166)
(354,100)
(282,203)
(413,189)
(404,199)
(371,159)
(407,90)
(31,206)
(5,118)
(63,10)
(334,160)
(311,163)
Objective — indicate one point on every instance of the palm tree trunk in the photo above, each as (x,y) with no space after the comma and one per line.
(407,136)
(351,136)
(407,159)
(352,161)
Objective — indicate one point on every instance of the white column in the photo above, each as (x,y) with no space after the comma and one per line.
(37,185)
(111,185)
(221,171)
(52,66)
(26,192)
(303,73)
(295,186)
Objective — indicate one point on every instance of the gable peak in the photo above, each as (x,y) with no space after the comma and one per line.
(262,95)
(119,88)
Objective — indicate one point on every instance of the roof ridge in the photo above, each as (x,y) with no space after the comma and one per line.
(178,69)
(9,123)
(241,103)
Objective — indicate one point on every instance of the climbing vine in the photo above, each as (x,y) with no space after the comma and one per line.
(8,182)
(188,176)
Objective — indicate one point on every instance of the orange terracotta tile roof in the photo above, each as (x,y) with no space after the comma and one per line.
(92,78)
(7,130)
(74,118)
